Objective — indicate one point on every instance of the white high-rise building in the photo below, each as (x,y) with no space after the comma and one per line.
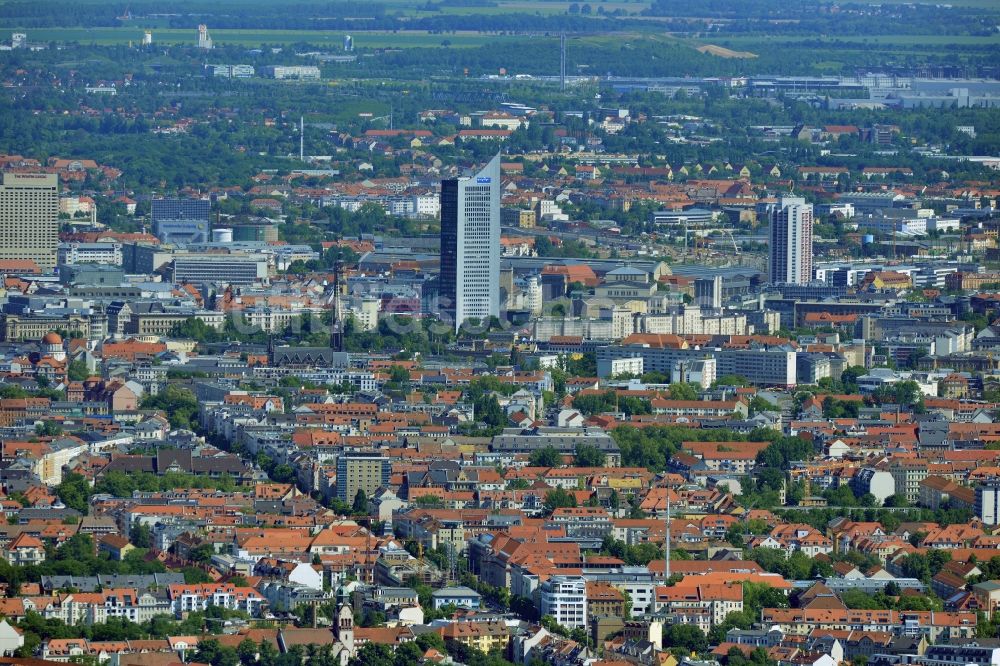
(708,292)
(470,245)
(792,242)
(533,299)
(204,39)
(988,502)
(565,599)
(29,218)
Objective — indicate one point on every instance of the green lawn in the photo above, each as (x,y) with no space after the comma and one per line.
(941,46)
(106,36)
(978,4)
(333,39)
(543,7)
(880,40)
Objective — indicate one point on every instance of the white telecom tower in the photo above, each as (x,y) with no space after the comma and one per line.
(562,61)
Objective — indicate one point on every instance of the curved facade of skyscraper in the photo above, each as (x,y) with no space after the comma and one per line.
(470,246)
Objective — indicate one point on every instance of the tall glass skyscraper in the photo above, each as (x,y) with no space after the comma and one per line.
(470,246)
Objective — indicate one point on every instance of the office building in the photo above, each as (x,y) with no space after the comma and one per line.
(708,292)
(181,220)
(300,72)
(470,245)
(565,599)
(182,232)
(792,242)
(692,217)
(357,471)
(29,218)
(70,254)
(772,367)
(180,209)
(230,71)
(224,268)
(698,371)
(762,367)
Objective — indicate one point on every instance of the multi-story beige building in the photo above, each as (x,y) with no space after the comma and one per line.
(695,321)
(517,217)
(708,605)
(937,626)
(18,328)
(361,471)
(987,593)
(150,318)
(908,474)
(484,636)
(29,218)
(962,280)
(49,466)
(364,310)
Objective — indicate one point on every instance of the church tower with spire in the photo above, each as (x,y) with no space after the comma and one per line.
(336,325)
(345,628)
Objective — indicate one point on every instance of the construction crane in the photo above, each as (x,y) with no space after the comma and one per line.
(736,248)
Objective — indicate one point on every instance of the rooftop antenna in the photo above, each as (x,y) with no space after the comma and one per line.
(562,61)
(302,138)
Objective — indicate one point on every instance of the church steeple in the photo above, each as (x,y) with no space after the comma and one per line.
(344,632)
(336,325)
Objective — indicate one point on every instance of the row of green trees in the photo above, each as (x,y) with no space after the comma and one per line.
(653,447)
(75,557)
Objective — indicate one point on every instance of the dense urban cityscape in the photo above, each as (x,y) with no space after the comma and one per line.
(500,332)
